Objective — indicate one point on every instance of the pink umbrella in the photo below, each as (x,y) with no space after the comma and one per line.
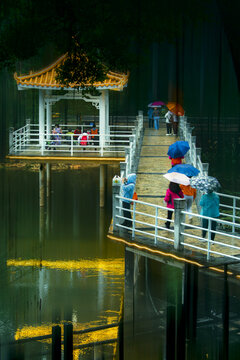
(157,104)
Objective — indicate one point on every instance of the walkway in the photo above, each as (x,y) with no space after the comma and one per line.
(151,188)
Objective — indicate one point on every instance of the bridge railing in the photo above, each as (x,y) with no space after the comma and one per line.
(230,204)
(148,220)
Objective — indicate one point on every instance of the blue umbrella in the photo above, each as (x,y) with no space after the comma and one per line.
(185,169)
(178,149)
(205,183)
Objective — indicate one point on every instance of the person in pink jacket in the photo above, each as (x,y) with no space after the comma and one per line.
(173,192)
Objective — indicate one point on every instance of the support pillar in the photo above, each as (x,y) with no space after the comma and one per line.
(129,304)
(48,193)
(42,176)
(225,317)
(41,118)
(107,128)
(102,185)
(56,342)
(68,341)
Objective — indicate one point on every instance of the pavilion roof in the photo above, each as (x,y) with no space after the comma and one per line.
(46,79)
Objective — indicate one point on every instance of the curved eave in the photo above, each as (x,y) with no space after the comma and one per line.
(47,87)
(46,79)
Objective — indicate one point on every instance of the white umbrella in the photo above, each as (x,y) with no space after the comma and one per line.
(177,178)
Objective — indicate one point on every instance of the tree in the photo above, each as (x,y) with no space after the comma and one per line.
(96,35)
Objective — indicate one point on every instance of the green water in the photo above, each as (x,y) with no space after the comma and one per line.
(57,264)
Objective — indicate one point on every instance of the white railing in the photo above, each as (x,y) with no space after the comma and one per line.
(148,220)
(28,140)
(229,205)
(194,154)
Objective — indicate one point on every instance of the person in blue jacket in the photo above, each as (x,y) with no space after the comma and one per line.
(127,192)
(150,117)
(209,207)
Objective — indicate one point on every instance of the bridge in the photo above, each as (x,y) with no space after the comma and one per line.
(150,161)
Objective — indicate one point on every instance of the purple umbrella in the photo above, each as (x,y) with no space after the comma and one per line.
(157,104)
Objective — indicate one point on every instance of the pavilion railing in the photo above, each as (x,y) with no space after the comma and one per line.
(118,138)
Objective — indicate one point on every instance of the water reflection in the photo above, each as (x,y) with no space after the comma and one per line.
(57,264)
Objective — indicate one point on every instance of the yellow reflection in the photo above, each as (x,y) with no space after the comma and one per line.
(78,339)
(115,266)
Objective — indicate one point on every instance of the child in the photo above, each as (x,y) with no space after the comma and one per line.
(173,192)
(210,207)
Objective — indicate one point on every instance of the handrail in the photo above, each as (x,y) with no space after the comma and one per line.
(155,223)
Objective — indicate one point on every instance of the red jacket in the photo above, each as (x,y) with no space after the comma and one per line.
(176,161)
(170,196)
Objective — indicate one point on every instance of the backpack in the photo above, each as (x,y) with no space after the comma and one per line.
(83,140)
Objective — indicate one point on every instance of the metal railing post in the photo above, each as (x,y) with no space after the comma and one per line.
(28,127)
(234,215)
(116,187)
(209,238)
(123,167)
(205,168)
(11,130)
(42,144)
(71,145)
(179,207)
(56,342)
(127,157)
(156,225)
(133,219)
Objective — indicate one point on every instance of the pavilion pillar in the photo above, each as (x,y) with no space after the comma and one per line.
(49,118)
(107,112)
(102,119)
(41,117)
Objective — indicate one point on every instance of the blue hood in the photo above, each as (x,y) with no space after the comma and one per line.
(128,187)
(131,179)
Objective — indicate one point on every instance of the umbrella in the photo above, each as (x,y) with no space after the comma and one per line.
(178,149)
(177,109)
(177,178)
(157,104)
(185,169)
(205,183)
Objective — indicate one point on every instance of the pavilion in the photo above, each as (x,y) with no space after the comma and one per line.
(46,83)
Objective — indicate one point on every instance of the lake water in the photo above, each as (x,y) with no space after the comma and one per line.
(56,263)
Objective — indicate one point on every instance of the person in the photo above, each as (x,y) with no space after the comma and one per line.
(169,119)
(150,117)
(83,139)
(77,132)
(156,117)
(127,191)
(173,192)
(176,161)
(94,135)
(209,207)
(57,131)
(189,195)
(175,124)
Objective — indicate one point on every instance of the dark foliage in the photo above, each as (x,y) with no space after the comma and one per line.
(97,35)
